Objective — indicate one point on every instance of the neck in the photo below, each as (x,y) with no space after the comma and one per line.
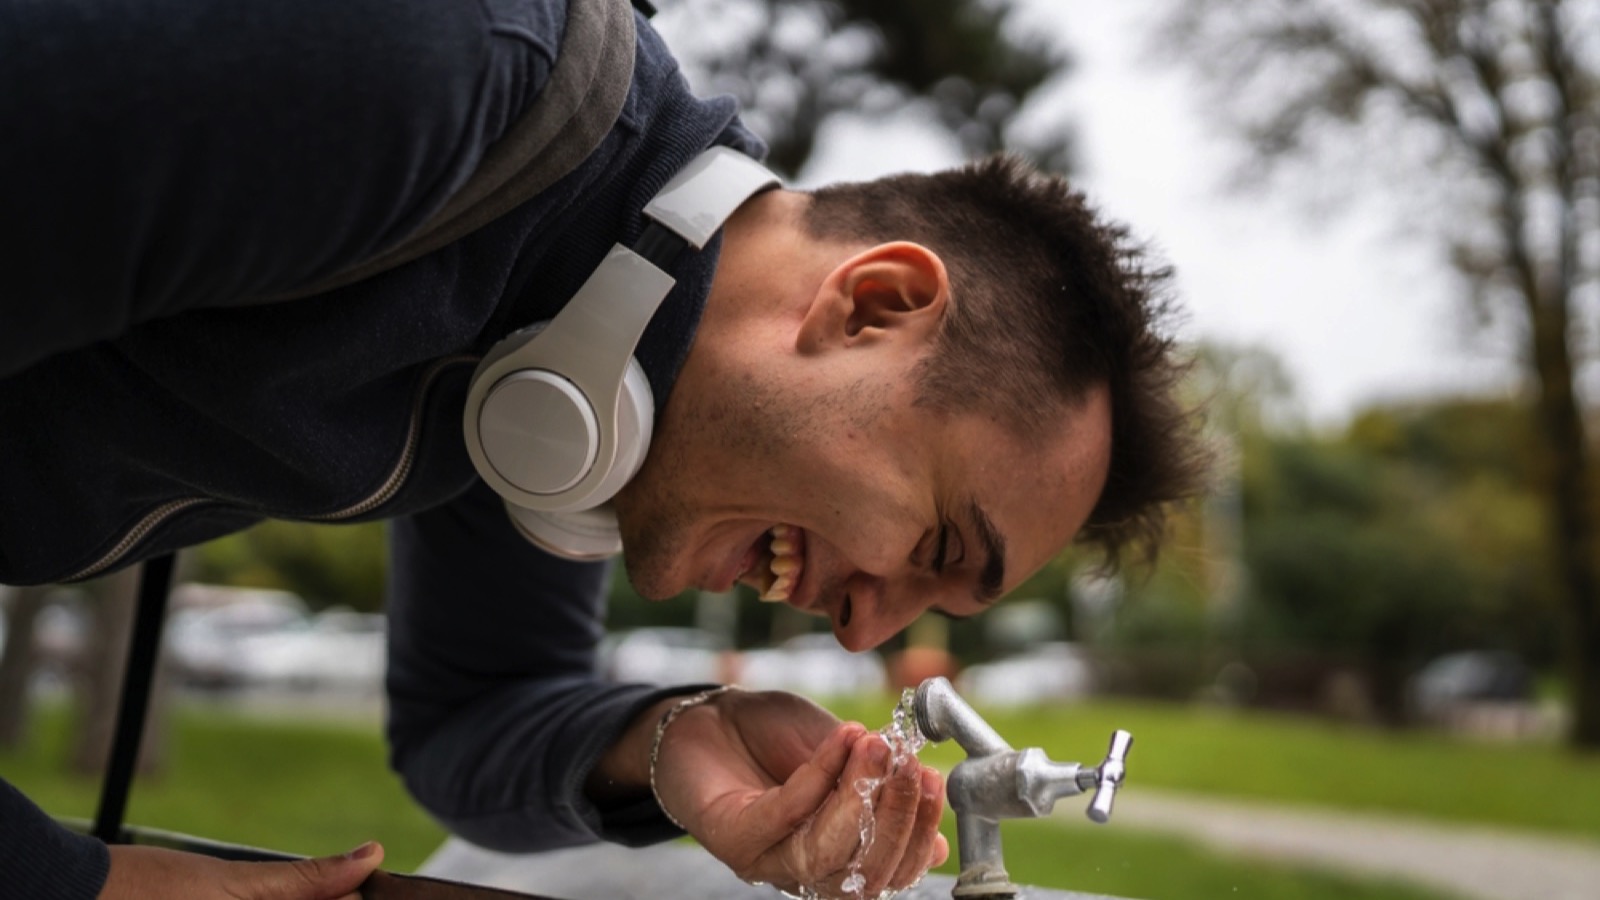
(769,266)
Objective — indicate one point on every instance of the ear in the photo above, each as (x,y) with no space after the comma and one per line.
(898,289)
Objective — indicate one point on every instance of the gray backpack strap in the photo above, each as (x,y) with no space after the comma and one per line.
(572,114)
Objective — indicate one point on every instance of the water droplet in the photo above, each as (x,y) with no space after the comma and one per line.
(905,739)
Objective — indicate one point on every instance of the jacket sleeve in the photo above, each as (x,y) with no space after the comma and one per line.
(497,711)
(171,154)
(41,859)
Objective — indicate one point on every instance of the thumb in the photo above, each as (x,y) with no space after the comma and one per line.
(323,878)
(799,798)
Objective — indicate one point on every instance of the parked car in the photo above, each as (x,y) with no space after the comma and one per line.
(664,656)
(1049,672)
(337,649)
(814,665)
(61,633)
(1477,676)
(205,644)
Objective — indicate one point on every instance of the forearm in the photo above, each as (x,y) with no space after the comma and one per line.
(622,774)
(39,858)
(498,716)
(513,770)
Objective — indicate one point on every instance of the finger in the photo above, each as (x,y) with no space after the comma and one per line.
(835,833)
(307,879)
(800,797)
(926,847)
(894,813)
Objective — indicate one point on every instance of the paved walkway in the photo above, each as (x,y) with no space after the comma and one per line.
(663,872)
(1479,863)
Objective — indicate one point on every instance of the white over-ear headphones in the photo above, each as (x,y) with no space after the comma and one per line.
(559,414)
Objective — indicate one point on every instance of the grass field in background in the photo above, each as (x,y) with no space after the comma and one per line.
(1124,863)
(322,788)
(1299,760)
(298,787)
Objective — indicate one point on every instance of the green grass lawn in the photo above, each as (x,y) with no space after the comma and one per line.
(321,788)
(1121,863)
(1297,760)
(307,788)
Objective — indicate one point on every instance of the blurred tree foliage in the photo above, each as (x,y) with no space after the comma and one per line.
(1397,540)
(1413,531)
(1492,111)
(795,63)
(327,565)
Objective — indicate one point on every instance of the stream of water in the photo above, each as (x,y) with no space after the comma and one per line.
(905,740)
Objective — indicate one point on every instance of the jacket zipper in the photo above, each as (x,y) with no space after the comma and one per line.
(384,493)
(137,533)
(408,455)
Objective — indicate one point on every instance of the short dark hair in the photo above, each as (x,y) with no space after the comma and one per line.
(1048,301)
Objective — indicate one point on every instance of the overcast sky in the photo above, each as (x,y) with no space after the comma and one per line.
(1356,314)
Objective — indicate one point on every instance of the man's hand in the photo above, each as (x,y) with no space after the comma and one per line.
(783,793)
(157,874)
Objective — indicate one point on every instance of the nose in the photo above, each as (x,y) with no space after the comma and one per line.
(879,609)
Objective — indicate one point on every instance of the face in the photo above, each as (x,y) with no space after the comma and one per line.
(794,417)
(884,509)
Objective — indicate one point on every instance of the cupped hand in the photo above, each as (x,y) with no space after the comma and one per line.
(783,793)
(138,873)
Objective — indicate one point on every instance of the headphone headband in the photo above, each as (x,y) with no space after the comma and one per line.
(558,416)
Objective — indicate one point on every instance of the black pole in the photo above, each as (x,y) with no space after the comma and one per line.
(143,651)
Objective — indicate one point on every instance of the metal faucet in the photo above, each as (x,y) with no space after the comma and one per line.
(996,782)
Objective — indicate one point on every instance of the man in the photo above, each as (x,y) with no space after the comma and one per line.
(872,401)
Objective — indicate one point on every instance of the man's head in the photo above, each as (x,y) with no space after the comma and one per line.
(928,385)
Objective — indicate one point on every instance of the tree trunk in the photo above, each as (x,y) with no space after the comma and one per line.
(100,681)
(1573,525)
(17,662)
(1584,674)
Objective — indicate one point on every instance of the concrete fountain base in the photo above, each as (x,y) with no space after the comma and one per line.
(678,871)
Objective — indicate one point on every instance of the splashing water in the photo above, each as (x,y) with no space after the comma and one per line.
(905,742)
(904,737)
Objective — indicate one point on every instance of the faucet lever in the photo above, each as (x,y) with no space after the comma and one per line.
(1110,776)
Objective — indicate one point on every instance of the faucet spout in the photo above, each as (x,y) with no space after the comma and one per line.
(997,782)
(942,715)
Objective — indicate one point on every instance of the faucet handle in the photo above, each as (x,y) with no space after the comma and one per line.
(1110,776)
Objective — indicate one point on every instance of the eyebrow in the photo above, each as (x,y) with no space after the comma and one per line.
(993,574)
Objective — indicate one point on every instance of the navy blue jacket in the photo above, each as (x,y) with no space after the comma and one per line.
(167,160)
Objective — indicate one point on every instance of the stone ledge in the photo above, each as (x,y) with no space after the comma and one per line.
(677,871)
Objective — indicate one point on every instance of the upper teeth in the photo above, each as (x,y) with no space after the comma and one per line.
(785,565)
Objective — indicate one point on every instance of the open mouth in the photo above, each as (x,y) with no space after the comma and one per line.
(780,559)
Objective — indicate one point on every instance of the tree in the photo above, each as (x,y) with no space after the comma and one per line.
(99,675)
(795,63)
(16,664)
(1499,100)
(327,565)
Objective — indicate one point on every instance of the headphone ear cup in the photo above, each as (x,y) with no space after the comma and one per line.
(593,533)
(636,416)
(538,431)
(583,535)
(535,432)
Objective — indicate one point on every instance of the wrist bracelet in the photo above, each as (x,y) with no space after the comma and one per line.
(661,729)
